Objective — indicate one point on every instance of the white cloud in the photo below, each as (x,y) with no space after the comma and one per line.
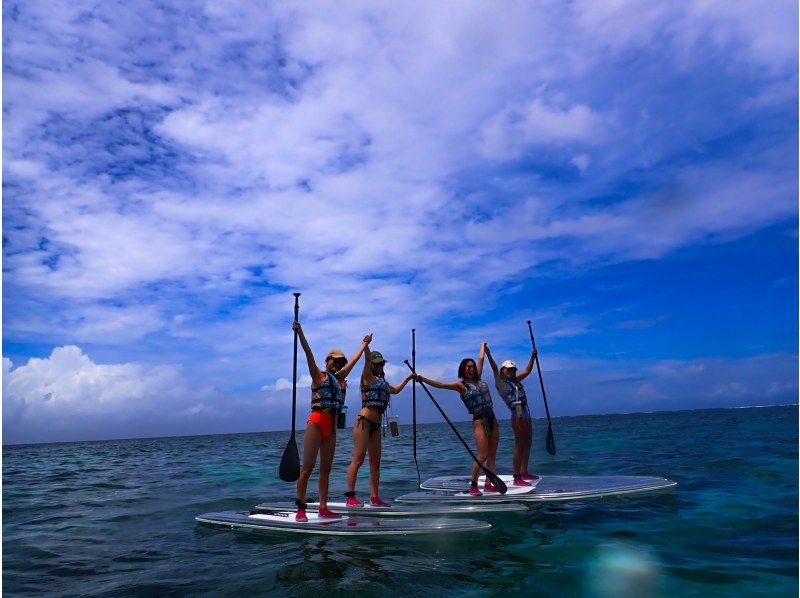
(285,384)
(69,384)
(515,129)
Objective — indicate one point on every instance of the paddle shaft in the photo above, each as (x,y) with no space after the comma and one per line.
(414,399)
(294,361)
(539,370)
(551,445)
(289,468)
(501,485)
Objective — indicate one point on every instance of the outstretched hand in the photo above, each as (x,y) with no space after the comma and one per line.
(367,338)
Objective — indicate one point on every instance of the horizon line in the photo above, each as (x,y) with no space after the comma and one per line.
(19,444)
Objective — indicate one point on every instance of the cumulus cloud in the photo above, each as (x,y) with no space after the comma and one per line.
(68,385)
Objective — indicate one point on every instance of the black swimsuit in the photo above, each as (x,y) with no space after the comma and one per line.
(373,426)
(488,418)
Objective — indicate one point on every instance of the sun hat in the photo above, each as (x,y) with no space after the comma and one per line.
(336,354)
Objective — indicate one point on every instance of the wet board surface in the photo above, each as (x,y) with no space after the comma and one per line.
(398,510)
(462,483)
(557,489)
(283,522)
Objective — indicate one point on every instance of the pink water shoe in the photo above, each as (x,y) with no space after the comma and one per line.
(352,501)
(377,502)
(326,513)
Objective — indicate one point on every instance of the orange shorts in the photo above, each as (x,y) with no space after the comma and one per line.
(326,422)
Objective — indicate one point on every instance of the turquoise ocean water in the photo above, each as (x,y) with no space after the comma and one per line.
(116,518)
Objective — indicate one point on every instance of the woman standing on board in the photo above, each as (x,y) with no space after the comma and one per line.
(328,389)
(508,384)
(475,394)
(375,396)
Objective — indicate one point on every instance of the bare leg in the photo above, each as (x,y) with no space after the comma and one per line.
(360,439)
(481,440)
(375,448)
(527,439)
(311,441)
(327,448)
(493,441)
(519,440)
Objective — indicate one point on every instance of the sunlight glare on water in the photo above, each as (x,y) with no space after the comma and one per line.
(623,571)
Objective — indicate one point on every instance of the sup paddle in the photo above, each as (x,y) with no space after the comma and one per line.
(492,476)
(289,469)
(414,398)
(551,441)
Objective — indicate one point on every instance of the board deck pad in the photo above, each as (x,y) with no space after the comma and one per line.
(398,510)
(284,522)
(554,489)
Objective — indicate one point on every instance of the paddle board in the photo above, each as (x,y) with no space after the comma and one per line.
(283,522)
(515,493)
(462,482)
(552,489)
(397,510)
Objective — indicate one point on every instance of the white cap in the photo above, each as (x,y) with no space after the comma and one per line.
(508,364)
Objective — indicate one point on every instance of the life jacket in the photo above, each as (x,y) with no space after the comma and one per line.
(376,394)
(477,399)
(330,394)
(513,393)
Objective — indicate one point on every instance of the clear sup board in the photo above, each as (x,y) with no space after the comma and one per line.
(283,522)
(549,489)
(398,510)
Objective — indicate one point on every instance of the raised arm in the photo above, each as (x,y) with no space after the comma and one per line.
(479,364)
(356,356)
(457,386)
(366,374)
(313,370)
(492,362)
(395,389)
(528,368)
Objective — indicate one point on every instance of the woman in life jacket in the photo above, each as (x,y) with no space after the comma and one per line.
(328,390)
(375,397)
(509,384)
(475,394)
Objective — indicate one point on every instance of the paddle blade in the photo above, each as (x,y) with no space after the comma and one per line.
(495,479)
(551,441)
(289,470)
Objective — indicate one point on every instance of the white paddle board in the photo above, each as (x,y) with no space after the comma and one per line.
(284,522)
(398,510)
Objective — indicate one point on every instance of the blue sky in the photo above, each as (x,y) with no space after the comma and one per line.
(622,173)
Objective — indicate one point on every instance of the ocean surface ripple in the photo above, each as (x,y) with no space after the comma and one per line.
(116,518)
